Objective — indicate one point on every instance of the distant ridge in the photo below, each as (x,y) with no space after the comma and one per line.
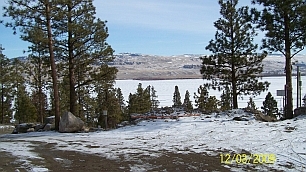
(186,66)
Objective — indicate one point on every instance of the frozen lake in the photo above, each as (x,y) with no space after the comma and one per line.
(165,89)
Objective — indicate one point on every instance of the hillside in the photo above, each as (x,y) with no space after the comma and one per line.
(138,66)
(187,66)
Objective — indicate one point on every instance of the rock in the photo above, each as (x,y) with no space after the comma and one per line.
(22,128)
(25,127)
(265,118)
(93,129)
(240,119)
(50,120)
(39,127)
(70,124)
(15,131)
(30,130)
(86,130)
(48,127)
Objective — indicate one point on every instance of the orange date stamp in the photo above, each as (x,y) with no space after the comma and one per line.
(257,158)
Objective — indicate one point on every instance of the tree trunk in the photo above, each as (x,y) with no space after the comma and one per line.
(234,88)
(40,111)
(2,104)
(53,66)
(40,98)
(71,64)
(289,101)
(72,85)
(2,94)
(18,92)
(233,63)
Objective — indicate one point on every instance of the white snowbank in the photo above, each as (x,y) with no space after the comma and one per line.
(202,134)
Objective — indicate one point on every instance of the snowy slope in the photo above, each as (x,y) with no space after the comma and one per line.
(285,139)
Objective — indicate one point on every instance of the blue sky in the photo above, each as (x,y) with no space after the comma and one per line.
(155,27)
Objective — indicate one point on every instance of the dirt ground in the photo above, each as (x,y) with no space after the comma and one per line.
(61,161)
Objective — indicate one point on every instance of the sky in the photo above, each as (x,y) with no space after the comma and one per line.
(154,27)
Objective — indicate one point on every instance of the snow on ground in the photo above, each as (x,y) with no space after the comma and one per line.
(6,126)
(210,134)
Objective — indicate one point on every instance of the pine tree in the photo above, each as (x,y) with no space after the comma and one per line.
(201,99)
(5,88)
(270,105)
(132,104)
(284,25)
(154,101)
(123,108)
(187,102)
(120,98)
(39,100)
(234,61)
(90,106)
(64,94)
(144,99)
(81,47)
(226,99)
(140,102)
(35,16)
(212,104)
(304,101)
(107,100)
(24,108)
(37,71)
(251,105)
(21,97)
(177,97)
(106,96)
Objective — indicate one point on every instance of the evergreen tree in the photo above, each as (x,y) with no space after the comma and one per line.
(143,99)
(140,102)
(37,71)
(120,98)
(64,93)
(123,108)
(81,47)
(20,95)
(107,97)
(25,110)
(90,106)
(5,88)
(284,25)
(132,104)
(226,99)
(304,101)
(35,16)
(212,104)
(270,105)
(17,71)
(154,101)
(251,105)
(234,61)
(177,97)
(107,100)
(187,102)
(39,100)
(201,99)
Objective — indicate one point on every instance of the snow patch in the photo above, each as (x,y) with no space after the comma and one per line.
(201,134)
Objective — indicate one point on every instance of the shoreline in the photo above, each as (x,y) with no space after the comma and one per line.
(146,78)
